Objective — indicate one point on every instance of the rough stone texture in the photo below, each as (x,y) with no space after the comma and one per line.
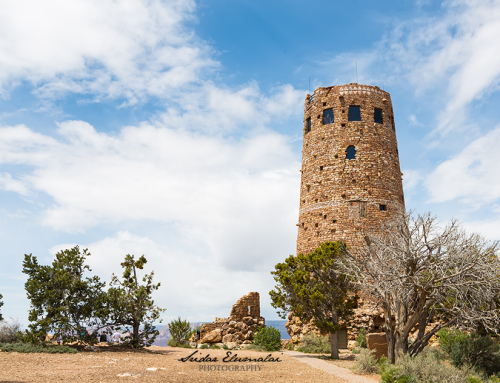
(371,320)
(340,196)
(247,306)
(212,336)
(239,327)
(377,342)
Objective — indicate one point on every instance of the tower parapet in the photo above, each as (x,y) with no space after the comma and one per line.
(351,177)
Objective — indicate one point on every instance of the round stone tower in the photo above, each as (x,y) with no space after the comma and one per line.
(351,177)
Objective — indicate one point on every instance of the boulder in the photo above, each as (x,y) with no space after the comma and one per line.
(248,321)
(232,345)
(213,336)
(229,338)
(377,342)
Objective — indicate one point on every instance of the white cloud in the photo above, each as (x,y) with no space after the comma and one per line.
(192,285)
(125,49)
(456,53)
(238,197)
(10,184)
(471,176)
(411,179)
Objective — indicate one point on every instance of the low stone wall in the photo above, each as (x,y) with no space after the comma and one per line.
(371,320)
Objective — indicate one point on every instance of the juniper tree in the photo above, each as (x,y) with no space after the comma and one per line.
(312,286)
(62,300)
(131,304)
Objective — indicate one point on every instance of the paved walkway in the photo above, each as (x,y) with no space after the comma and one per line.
(340,372)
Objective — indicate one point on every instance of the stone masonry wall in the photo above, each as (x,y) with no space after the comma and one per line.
(238,329)
(247,305)
(339,196)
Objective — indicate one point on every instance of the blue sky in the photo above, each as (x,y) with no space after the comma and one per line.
(173,129)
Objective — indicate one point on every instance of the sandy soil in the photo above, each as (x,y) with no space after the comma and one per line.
(118,364)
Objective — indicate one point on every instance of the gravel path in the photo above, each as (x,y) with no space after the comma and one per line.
(340,372)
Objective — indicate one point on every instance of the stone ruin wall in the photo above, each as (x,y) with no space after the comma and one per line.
(339,196)
(238,329)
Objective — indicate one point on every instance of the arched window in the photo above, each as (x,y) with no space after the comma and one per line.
(350,153)
(328,116)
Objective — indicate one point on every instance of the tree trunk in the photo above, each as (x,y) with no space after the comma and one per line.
(135,335)
(389,335)
(334,345)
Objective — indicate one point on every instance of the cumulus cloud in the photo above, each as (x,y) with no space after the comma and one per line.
(194,278)
(470,176)
(126,49)
(236,196)
(455,52)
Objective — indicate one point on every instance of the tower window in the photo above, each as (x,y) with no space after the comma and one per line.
(383,207)
(308,125)
(350,153)
(328,116)
(377,116)
(321,168)
(362,209)
(354,113)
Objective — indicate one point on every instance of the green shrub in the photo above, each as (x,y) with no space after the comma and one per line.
(225,347)
(173,343)
(30,348)
(427,367)
(355,350)
(479,352)
(291,346)
(366,362)
(448,337)
(269,338)
(315,344)
(179,329)
(204,346)
(215,347)
(9,331)
(361,338)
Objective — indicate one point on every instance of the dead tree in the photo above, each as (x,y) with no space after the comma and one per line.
(412,269)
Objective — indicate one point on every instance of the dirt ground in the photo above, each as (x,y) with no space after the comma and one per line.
(118,365)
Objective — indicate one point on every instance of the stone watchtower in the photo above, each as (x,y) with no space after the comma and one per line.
(351,177)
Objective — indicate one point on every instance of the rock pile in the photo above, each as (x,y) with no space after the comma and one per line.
(238,328)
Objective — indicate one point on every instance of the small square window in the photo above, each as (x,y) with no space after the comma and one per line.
(354,113)
(328,116)
(383,207)
(308,125)
(377,116)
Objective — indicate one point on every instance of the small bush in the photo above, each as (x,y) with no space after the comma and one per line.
(427,367)
(204,346)
(225,347)
(29,348)
(448,337)
(179,329)
(268,338)
(9,331)
(173,343)
(291,346)
(481,353)
(215,347)
(315,344)
(255,347)
(361,338)
(356,350)
(366,362)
